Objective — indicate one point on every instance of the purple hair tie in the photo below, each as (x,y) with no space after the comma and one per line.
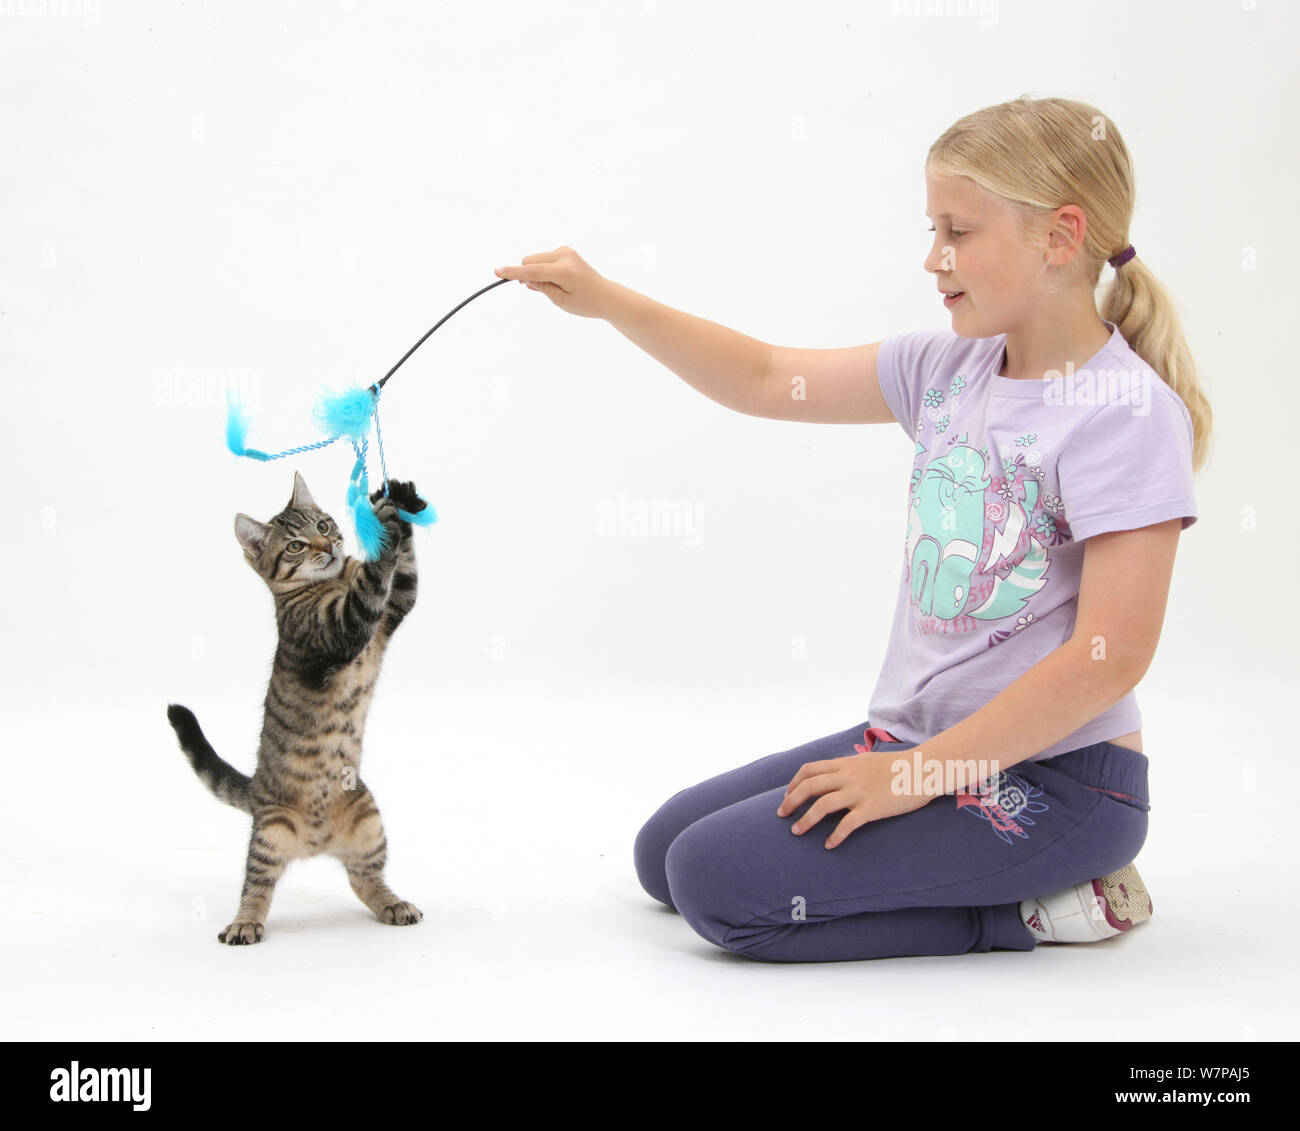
(1123,257)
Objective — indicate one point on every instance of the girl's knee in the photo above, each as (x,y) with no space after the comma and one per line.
(656,836)
(649,852)
(698,874)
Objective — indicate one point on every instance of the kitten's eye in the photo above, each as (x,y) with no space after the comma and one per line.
(323,526)
(296,547)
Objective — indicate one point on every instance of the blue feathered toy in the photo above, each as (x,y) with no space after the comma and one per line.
(341,415)
(349,415)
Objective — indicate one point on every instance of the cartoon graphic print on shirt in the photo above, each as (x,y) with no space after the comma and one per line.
(978,533)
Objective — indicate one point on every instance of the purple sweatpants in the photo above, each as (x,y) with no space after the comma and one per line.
(943,879)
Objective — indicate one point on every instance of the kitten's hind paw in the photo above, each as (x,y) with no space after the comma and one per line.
(241,934)
(401,914)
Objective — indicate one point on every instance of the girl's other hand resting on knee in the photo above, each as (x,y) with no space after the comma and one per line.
(867,785)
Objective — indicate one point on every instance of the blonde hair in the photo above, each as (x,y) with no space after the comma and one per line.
(1040,154)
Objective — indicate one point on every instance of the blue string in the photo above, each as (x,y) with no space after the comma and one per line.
(360,474)
(379,438)
(298,451)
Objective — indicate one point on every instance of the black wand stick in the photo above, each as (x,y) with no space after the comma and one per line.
(440,321)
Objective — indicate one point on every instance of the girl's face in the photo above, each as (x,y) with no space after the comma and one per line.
(978,251)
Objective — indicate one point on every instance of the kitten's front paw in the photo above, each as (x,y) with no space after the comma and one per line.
(241,934)
(401,914)
(403,493)
(386,512)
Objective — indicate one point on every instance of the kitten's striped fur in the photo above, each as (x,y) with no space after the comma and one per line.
(335,616)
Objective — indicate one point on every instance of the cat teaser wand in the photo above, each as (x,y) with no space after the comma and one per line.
(349,414)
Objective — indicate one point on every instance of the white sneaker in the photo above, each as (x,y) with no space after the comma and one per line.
(1087,912)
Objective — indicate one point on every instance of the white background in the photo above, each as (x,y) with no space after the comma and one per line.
(282,197)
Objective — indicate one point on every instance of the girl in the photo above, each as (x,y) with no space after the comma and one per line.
(1055,449)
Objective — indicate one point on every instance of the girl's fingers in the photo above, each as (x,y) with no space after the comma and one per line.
(800,793)
(520,270)
(819,809)
(832,800)
(532,280)
(853,819)
(807,770)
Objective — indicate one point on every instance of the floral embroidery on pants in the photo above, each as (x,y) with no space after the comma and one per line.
(1005,800)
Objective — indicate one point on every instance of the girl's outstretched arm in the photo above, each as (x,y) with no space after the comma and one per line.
(735,370)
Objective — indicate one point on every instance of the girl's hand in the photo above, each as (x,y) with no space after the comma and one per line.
(860,783)
(567,280)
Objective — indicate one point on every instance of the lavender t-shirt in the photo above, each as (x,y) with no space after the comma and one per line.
(1009,479)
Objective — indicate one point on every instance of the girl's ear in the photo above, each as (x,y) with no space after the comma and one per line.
(302,499)
(252,535)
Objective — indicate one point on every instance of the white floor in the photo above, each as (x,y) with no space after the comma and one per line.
(511,818)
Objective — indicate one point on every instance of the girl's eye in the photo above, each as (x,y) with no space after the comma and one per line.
(295,547)
(952,231)
(323,526)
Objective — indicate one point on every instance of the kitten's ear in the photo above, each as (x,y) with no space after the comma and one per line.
(302,499)
(252,535)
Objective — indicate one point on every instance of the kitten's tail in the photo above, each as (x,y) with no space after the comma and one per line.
(222,778)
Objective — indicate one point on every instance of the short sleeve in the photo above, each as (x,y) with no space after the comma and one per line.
(1125,468)
(904,365)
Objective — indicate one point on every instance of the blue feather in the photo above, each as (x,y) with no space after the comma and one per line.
(359,487)
(237,432)
(345,414)
(425,516)
(236,427)
(371,533)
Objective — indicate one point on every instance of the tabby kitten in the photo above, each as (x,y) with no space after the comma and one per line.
(335,616)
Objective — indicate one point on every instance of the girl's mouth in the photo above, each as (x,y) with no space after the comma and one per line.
(953,300)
